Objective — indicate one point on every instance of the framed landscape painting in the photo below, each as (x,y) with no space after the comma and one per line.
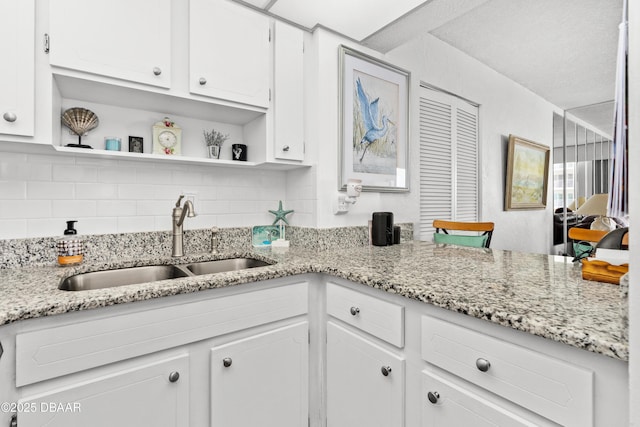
(527,174)
(374,104)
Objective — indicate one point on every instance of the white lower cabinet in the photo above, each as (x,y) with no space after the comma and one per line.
(162,363)
(365,382)
(154,393)
(446,404)
(557,390)
(262,380)
(240,357)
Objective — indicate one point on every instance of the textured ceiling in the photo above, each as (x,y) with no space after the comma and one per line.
(562,50)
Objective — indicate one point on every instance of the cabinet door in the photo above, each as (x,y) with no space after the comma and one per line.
(446,404)
(17,21)
(262,380)
(288,93)
(358,391)
(125,39)
(147,395)
(229,52)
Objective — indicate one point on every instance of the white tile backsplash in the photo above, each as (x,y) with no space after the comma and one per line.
(74,173)
(13,228)
(39,192)
(20,209)
(13,190)
(119,208)
(50,190)
(73,208)
(96,191)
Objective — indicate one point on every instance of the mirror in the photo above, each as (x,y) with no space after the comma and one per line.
(581,161)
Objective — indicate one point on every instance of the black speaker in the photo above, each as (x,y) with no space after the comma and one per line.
(382,229)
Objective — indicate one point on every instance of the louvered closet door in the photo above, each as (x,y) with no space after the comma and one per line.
(449,155)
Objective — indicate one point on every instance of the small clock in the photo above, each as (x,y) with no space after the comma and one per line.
(166,137)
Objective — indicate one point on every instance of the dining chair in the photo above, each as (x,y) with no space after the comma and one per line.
(584,241)
(443,227)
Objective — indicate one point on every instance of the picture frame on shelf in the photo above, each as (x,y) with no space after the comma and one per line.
(136,144)
(527,174)
(374,123)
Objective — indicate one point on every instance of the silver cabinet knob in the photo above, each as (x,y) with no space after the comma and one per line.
(354,311)
(10,117)
(174,376)
(483,364)
(433,397)
(386,370)
(285,148)
(202,81)
(157,71)
(227,362)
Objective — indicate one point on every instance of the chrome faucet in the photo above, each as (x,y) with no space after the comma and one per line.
(179,214)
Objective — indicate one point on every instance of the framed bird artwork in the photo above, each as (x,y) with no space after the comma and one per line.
(374,111)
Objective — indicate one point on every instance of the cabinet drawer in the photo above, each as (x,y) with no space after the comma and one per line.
(550,387)
(52,352)
(448,404)
(379,318)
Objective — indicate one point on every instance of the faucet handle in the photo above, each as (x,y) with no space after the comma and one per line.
(214,239)
(179,200)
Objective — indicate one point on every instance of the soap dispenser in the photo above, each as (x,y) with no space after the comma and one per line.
(70,246)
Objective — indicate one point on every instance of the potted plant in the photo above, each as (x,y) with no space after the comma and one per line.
(214,140)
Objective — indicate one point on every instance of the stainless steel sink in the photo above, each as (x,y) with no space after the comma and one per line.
(222,265)
(152,273)
(120,277)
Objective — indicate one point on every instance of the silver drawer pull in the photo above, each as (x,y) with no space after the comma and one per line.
(483,364)
(157,71)
(354,311)
(285,148)
(386,370)
(174,376)
(10,117)
(202,81)
(433,397)
(227,362)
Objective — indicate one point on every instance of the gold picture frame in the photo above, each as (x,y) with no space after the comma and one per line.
(527,174)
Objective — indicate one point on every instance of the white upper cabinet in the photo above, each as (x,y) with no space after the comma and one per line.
(124,39)
(288,93)
(229,52)
(17,28)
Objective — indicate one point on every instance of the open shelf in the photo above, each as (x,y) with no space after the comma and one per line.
(153,157)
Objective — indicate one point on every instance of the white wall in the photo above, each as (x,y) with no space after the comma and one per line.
(505,108)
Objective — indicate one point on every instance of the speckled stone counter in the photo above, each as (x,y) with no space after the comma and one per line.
(539,294)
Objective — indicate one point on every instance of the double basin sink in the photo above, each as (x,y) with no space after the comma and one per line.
(152,273)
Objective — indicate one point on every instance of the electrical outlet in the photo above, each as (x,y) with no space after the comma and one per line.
(191,195)
(342,207)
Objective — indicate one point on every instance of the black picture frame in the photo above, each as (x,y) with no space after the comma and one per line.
(136,144)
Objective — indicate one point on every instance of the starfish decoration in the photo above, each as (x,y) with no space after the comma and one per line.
(281,214)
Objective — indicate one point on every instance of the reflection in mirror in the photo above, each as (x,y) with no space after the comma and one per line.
(582,157)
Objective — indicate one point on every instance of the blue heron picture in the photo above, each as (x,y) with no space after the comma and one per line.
(374,129)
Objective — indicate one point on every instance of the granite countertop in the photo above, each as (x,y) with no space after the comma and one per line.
(539,294)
